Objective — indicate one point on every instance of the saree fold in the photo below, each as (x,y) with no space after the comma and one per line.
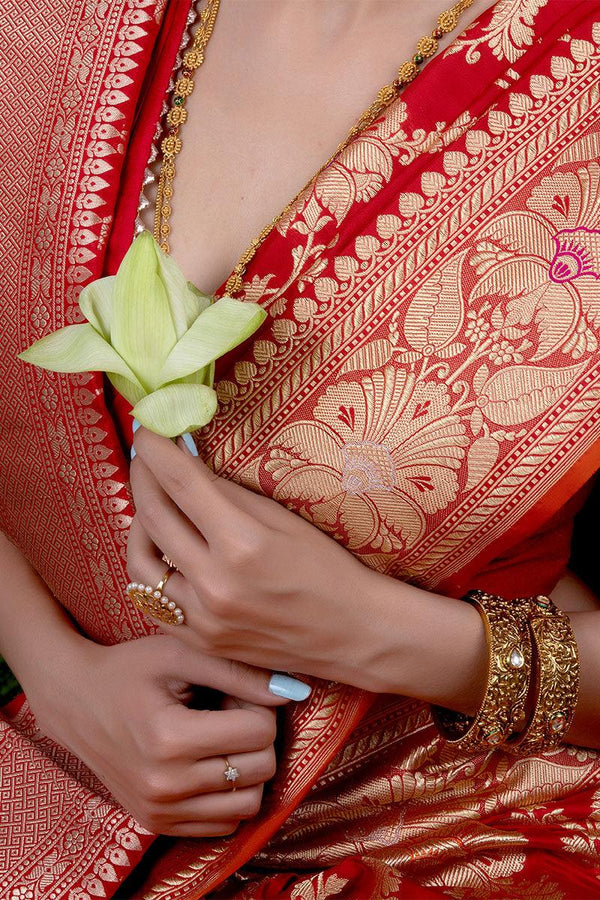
(425,390)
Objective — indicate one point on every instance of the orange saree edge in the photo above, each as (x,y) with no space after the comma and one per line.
(564,489)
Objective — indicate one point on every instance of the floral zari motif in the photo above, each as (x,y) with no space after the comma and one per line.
(459,370)
(380,454)
(547,261)
(508,34)
(409,394)
(429,370)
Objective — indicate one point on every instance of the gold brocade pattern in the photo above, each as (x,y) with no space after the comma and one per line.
(508,35)
(449,407)
(360,171)
(417,808)
(372,475)
(390,470)
(62,832)
(335,340)
(93,514)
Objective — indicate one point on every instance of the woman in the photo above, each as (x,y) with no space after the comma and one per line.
(435,367)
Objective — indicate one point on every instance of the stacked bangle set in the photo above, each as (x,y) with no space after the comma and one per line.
(527,639)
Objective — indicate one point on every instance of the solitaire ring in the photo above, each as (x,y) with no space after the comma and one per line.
(231,774)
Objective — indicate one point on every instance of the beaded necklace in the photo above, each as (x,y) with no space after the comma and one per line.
(177,115)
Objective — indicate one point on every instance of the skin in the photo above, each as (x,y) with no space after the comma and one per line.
(237,170)
(260,584)
(126,711)
(272,68)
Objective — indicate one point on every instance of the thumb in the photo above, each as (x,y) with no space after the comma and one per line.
(238,679)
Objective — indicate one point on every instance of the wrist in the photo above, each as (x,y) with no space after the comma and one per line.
(422,645)
(59,686)
(37,636)
(375,655)
(56,658)
(386,639)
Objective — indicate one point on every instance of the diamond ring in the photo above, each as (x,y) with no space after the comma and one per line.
(231,774)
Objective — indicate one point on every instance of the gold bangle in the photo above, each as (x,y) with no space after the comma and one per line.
(556,678)
(502,711)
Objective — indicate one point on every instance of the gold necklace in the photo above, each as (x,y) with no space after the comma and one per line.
(171,145)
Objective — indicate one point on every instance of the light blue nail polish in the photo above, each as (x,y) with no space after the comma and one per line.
(135,427)
(284,686)
(189,443)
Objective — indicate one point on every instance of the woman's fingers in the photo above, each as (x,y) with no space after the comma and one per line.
(256,505)
(200,796)
(187,778)
(221,806)
(205,733)
(208,775)
(253,769)
(249,684)
(192,486)
(127,722)
(160,517)
(146,566)
(202,829)
(145,561)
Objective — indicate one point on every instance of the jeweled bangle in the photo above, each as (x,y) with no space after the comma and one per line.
(502,711)
(556,679)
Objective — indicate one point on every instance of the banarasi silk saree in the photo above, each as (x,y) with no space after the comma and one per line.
(425,389)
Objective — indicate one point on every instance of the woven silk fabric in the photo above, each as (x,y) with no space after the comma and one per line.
(425,389)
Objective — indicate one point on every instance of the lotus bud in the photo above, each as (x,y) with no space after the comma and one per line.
(155,335)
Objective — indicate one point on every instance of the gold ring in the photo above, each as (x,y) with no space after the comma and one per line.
(231,773)
(151,600)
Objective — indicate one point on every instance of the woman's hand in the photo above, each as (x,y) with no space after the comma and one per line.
(124,713)
(257,583)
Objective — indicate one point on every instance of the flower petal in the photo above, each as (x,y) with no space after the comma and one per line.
(193,303)
(131,391)
(205,375)
(96,301)
(176,408)
(185,300)
(142,329)
(217,330)
(77,348)
(201,302)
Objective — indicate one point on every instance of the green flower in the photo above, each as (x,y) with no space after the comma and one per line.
(155,335)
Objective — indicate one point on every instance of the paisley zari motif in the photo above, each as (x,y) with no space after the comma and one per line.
(425,391)
(509,32)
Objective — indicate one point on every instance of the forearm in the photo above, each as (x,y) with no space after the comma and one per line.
(35,632)
(434,648)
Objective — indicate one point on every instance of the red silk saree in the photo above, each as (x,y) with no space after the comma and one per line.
(425,390)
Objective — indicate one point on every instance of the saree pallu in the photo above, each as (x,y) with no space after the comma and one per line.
(425,389)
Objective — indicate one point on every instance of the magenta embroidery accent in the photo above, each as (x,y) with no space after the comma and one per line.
(577,253)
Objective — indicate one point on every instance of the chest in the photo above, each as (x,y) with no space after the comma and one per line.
(271,103)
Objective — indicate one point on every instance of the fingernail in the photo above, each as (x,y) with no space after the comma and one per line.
(188,440)
(135,427)
(290,688)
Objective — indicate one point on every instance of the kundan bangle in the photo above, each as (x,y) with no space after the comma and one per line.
(502,711)
(556,679)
